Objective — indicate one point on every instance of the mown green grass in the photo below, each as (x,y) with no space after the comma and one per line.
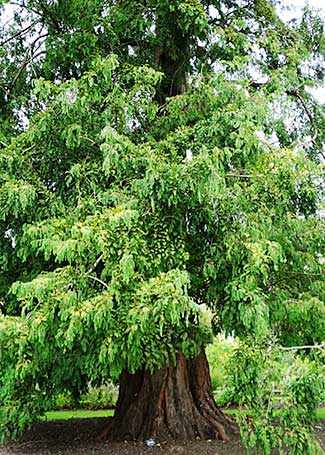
(88,414)
(77,414)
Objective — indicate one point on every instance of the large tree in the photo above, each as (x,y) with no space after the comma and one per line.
(160,182)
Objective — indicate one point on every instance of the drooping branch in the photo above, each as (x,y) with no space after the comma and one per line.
(297,95)
(31,55)
(25,63)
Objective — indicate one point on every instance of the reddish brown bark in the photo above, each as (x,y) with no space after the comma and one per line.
(176,402)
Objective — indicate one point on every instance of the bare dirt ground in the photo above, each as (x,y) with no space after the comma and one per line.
(78,437)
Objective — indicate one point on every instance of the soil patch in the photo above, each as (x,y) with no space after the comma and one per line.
(320,433)
(78,437)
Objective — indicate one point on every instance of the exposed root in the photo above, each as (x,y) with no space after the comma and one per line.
(104,435)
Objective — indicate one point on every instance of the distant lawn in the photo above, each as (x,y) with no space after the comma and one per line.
(88,414)
(320,413)
(77,414)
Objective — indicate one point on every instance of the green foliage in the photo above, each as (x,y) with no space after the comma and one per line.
(303,322)
(278,395)
(143,207)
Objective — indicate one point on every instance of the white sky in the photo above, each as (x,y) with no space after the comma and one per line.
(296,6)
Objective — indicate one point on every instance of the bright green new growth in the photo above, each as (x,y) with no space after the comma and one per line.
(133,230)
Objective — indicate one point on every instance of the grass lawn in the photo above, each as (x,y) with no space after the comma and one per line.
(77,414)
(87,414)
(320,413)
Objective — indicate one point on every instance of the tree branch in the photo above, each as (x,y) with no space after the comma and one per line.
(18,34)
(42,12)
(296,94)
(243,176)
(296,348)
(98,280)
(95,264)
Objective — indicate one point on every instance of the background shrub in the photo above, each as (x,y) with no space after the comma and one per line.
(103,397)
(218,354)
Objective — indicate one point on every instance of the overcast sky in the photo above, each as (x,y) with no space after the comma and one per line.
(297,5)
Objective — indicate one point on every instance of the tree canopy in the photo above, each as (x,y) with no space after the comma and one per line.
(160,182)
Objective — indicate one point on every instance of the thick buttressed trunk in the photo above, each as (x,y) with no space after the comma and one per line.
(176,402)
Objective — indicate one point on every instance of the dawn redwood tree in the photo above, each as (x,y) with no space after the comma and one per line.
(160,179)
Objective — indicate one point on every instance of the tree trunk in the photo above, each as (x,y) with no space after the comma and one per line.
(176,402)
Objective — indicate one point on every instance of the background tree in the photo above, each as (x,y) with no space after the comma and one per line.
(160,181)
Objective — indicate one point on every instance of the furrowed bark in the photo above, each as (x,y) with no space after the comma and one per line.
(176,402)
